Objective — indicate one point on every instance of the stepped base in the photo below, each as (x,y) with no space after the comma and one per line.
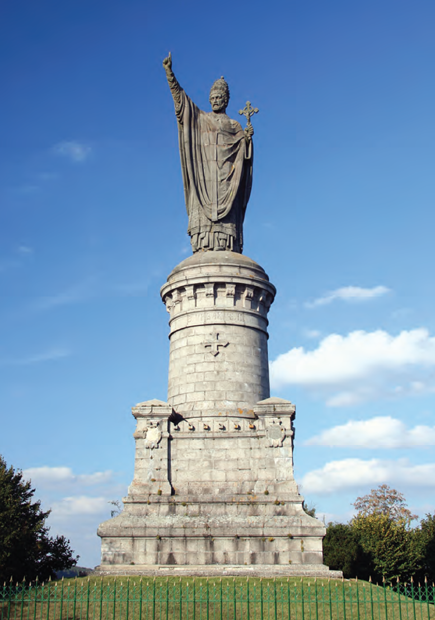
(229,570)
(244,531)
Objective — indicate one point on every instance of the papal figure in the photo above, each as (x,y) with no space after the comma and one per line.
(216,162)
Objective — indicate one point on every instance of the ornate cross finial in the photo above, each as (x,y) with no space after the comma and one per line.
(248,111)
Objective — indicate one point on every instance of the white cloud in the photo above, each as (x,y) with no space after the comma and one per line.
(75,151)
(379,432)
(348,474)
(349,293)
(46,477)
(46,356)
(361,365)
(80,505)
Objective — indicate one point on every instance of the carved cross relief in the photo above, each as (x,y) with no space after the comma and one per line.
(214,343)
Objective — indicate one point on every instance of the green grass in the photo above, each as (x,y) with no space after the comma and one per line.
(133,598)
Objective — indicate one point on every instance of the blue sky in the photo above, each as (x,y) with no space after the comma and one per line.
(93,220)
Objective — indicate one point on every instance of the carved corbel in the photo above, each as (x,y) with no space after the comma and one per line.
(176,297)
(169,303)
(191,295)
(209,289)
(248,297)
(230,290)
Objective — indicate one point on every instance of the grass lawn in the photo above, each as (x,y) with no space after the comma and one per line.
(147,598)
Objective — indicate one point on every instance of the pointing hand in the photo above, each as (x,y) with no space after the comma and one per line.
(167,63)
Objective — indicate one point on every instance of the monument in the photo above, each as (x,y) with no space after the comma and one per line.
(213,488)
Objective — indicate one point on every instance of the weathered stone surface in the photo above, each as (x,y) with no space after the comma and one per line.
(218,361)
(216,162)
(224,570)
(231,500)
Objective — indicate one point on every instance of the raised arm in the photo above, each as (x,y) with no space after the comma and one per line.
(172,81)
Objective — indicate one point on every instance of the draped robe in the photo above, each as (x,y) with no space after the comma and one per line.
(216,163)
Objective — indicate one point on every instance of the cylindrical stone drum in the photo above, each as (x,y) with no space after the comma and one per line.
(218,363)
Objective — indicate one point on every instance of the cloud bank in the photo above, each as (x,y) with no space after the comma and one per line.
(352,474)
(379,432)
(47,477)
(78,504)
(360,366)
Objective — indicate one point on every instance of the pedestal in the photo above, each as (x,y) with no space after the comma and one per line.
(213,483)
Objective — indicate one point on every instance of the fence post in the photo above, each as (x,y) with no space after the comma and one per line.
(413,597)
(427,596)
(274,596)
(127,602)
(385,597)
(194,602)
(261,598)
(154,598)
(357,598)
(330,599)
(234,596)
(87,600)
(24,587)
(371,597)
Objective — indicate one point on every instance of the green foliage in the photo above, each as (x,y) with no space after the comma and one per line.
(426,538)
(309,510)
(342,551)
(26,549)
(380,542)
(384,501)
(393,548)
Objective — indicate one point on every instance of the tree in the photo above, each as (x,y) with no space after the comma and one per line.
(26,549)
(342,551)
(426,535)
(384,501)
(394,549)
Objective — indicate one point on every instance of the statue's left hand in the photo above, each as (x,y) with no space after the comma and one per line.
(249,132)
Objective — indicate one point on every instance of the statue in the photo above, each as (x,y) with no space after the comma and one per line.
(216,162)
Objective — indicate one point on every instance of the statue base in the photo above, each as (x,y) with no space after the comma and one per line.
(213,482)
(236,506)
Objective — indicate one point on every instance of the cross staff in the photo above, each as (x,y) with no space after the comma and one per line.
(248,111)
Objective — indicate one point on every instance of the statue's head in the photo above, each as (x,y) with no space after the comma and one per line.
(219,95)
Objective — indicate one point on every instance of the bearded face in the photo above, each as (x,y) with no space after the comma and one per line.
(218,100)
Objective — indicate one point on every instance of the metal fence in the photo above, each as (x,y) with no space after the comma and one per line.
(216,599)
